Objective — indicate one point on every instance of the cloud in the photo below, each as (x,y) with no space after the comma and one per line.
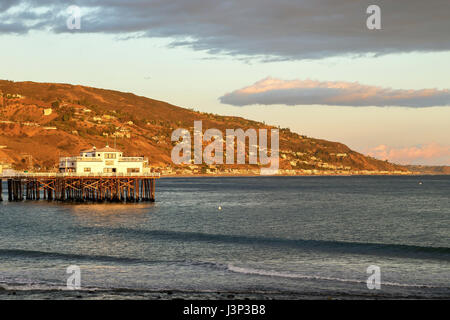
(264,29)
(431,154)
(338,93)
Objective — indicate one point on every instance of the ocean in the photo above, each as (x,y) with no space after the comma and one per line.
(236,237)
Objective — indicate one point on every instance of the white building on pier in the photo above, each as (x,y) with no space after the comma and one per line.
(105,160)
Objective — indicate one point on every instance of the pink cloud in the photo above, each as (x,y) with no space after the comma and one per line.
(430,154)
(271,91)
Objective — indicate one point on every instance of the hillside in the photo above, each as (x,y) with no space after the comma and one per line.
(41,121)
(429,170)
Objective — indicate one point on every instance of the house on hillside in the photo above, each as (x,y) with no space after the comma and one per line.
(14,96)
(104,160)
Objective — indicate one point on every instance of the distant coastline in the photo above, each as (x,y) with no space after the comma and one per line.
(413,174)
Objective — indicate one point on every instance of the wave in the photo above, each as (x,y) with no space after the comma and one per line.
(19,284)
(271,273)
(365,248)
(78,257)
(8,283)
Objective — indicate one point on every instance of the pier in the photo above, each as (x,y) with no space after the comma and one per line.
(79,187)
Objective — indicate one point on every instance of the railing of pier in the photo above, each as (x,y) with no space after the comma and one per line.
(79,175)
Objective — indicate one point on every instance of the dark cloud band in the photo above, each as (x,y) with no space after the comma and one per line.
(268,29)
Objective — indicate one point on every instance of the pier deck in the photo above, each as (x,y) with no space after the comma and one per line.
(103,187)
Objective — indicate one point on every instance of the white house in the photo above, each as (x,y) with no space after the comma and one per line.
(105,160)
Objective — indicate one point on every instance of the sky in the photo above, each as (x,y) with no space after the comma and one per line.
(312,66)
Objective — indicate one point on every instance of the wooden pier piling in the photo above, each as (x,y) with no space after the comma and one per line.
(81,188)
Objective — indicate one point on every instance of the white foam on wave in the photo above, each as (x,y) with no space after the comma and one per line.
(271,273)
(285,274)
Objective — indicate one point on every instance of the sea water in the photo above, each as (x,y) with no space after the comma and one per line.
(285,237)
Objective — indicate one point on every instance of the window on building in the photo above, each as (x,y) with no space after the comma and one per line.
(133,170)
(110,155)
(109,170)
(87,169)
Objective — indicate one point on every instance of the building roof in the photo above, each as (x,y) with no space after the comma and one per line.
(93,149)
(105,149)
(108,149)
